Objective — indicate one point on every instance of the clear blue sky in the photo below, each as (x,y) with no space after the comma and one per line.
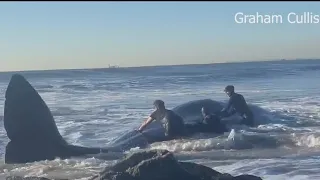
(55,35)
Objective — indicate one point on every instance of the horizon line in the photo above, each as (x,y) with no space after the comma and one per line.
(125,67)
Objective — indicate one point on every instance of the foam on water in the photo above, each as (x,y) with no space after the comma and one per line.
(307,140)
(232,142)
(75,168)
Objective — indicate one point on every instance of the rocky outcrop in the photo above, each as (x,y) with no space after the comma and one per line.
(29,178)
(148,164)
(158,165)
(26,178)
(31,128)
(161,165)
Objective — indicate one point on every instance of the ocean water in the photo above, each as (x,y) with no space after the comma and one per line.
(92,107)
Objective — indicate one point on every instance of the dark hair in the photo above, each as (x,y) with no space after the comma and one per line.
(229,88)
(159,104)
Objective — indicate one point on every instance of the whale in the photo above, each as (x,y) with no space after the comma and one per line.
(34,136)
(31,129)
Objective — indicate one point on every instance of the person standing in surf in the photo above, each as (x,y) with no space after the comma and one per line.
(172,123)
(237,104)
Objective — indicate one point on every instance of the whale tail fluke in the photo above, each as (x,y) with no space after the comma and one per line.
(31,128)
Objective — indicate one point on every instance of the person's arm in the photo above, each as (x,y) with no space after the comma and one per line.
(146,122)
(224,111)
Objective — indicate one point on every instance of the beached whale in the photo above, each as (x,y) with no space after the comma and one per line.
(34,135)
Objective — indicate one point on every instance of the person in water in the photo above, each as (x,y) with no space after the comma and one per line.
(172,123)
(237,104)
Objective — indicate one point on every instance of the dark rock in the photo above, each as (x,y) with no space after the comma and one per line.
(161,165)
(146,165)
(29,178)
(31,128)
(160,168)
(205,173)
(247,177)
(110,175)
(224,176)
(25,178)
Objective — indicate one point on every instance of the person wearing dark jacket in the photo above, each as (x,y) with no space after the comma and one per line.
(237,104)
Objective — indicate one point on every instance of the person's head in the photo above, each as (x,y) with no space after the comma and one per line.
(159,104)
(229,90)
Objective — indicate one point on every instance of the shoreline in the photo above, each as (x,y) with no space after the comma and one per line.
(152,66)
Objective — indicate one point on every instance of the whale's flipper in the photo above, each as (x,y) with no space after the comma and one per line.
(31,128)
